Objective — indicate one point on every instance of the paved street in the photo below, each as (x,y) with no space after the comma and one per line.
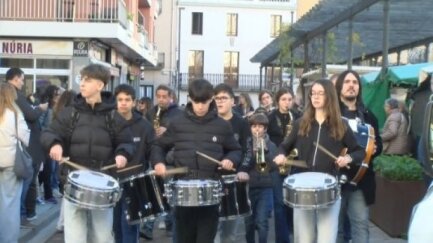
(43,230)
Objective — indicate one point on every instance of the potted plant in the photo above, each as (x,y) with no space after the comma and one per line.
(399,187)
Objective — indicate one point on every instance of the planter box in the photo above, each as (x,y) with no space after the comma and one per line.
(394,202)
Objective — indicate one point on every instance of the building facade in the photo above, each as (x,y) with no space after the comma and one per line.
(53,40)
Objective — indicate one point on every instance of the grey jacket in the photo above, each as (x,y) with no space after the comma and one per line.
(394,134)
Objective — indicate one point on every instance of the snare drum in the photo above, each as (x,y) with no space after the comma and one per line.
(235,201)
(143,197)
(310,190)
(193,193)
(92,190)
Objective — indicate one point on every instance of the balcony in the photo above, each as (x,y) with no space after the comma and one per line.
(240,83)
(105,20)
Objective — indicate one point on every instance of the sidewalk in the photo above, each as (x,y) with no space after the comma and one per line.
(43,229)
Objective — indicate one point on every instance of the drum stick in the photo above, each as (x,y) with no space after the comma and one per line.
(128,168)
(297,163)
(72,164)
(108,167)
(180,170)
(327,152)
(211,159)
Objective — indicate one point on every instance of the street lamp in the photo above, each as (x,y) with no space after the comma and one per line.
(178,76)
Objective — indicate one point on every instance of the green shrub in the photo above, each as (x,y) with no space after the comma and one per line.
(398,168)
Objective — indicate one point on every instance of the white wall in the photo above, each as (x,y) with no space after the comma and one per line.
(254,28)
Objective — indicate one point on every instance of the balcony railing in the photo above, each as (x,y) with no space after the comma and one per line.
(241,82)
(107,11)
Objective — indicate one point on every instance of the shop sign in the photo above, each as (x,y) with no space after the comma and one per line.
(35,47)
(81,49)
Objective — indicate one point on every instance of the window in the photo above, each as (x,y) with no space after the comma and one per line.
(232,24)
(197,23)
(16,62)
(52,63)
(231,68)
(195,65)
(275,25)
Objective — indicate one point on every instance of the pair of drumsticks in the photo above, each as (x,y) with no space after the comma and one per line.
(180,170)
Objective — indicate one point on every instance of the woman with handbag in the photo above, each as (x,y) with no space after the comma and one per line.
(13,130)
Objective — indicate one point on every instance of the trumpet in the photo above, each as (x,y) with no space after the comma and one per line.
(156,119)
(261,165)
(284,169)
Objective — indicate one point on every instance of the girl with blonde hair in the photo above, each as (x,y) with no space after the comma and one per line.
(12,128)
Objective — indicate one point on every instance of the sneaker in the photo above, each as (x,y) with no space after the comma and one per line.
(161,225)
(31,217)
(59,228)
(51,200)
(56,193)
(40,201)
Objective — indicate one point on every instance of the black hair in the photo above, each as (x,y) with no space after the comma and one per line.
(200,90)
(224,88)
(96,71)
(50,92)
(13,72)
(125,88)
(258,118)
(164,87)
(393,103)
(282,92)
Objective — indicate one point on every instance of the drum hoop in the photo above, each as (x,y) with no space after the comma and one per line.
(94,188)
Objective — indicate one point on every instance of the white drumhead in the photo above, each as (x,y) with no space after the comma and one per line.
(93,179)
(310,180)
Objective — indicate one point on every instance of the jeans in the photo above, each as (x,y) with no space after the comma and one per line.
(319,225)
(85,225)
(196,224)
(123,232)
(10,194)
(55,180)
(283,215)
(261,206)
(353,203)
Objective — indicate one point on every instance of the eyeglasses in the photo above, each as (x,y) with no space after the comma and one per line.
(221,98)
(317,94)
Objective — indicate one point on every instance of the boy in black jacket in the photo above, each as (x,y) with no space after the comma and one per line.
(143,136)
(92,134)
(197,128)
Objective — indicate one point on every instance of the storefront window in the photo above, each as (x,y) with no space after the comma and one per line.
(52,63)
(16,62)
(42,81)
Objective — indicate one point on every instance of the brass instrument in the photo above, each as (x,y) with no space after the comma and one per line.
(289,125)
(284,169)
(156,119)
(261,165)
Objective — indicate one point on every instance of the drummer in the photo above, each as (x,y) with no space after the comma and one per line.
(92,134)
(143,134)
(197,129)
(321,124)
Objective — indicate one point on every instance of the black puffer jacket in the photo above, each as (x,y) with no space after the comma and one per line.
(188,133)
(90,143)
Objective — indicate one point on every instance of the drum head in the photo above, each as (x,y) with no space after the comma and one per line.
(310,180)
(93,179)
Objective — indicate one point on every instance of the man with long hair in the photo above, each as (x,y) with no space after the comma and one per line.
(357,198)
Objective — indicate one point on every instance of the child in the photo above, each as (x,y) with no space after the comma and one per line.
(260,152)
